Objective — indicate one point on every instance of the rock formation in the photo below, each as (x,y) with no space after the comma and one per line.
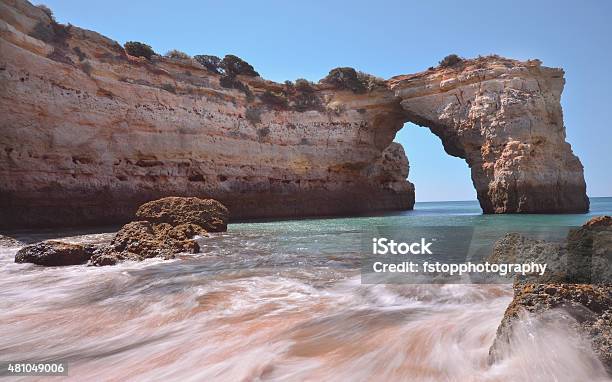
(577,290)
(90,132)
(504,118)
(208,214)
(172,224)
(141,240)
(54,253)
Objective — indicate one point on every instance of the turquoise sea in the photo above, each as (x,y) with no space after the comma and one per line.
(452,213)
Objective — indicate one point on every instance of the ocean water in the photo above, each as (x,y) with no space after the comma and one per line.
(281,301)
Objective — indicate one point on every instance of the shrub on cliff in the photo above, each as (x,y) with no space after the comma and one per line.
(234,65)
(263,132)
(230,82)
(349,79)
(139,49)
(450,60)
(86,68)
(211,63)
(80,54)
(53,33)
(306,97)
(169,88)
(274,99)
(305,101)
(47,11)
(303,85)
(177,55)
(371,82)
(253,115)
(43,32)
(344,78)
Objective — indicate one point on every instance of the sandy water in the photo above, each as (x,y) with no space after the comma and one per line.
(276,301)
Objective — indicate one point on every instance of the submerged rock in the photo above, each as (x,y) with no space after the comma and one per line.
(54,253)
(579,288)
(206,213)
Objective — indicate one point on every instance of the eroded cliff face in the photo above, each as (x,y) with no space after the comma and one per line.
(89,133)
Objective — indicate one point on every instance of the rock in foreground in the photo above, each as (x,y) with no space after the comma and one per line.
(54,253)
(141,240)
(166,228)
(578,291)
(170,226)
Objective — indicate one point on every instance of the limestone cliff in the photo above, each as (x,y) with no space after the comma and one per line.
(89,133)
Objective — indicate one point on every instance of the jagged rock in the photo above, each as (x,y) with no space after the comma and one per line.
(579,287)
(169,229)
(587,309)
(54,253)
(206,213)
(65,160)
(141,240)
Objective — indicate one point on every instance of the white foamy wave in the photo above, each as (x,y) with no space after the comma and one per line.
(246,312)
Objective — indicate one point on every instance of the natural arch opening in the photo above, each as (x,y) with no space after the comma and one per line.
(436,175)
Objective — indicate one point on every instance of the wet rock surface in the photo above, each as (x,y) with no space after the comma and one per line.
(54,253)
(170,231)
(171,225)
(578,288)
(141,240)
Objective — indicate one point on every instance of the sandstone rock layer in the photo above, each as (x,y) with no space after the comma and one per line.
(89,133)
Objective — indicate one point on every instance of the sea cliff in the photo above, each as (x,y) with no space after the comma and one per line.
(90,132)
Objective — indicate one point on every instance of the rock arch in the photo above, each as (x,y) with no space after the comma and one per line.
(504,118)
(89,133)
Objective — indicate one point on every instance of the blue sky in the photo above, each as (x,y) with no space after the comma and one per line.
(291,39)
